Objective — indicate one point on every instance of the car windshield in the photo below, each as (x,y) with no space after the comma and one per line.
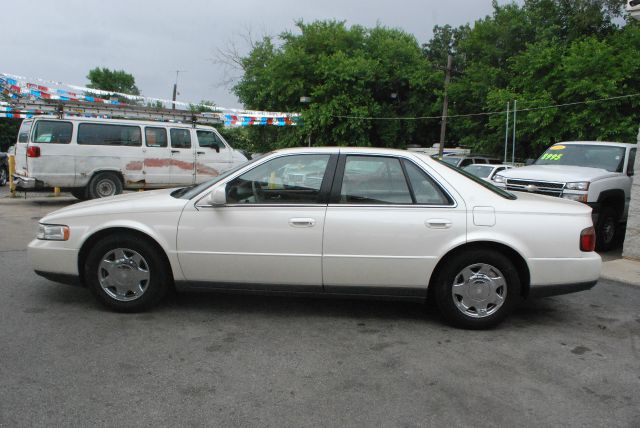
(483,183)
(196,189)
(482,171)
(602,156)
(451,160)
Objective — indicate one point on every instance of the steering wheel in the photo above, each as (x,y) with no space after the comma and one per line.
(258,193)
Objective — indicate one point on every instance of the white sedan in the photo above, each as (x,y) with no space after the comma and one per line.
(327,221)
(486,171)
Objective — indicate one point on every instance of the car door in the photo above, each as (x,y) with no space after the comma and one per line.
(387,224)
(212,155)
(268,235)
(157,156)
(182,157)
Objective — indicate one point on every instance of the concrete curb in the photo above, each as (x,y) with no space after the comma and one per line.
(622,270)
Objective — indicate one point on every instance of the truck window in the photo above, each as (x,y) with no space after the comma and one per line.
(603,156)
(25,129)
(209,139)
(49,131)
(180,138)
(155,137)
(100,134)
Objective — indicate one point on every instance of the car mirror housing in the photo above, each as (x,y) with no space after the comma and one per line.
(218,197)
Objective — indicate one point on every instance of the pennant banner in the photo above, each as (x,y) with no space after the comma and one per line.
(16,87)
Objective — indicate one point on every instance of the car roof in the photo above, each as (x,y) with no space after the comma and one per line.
(121,121)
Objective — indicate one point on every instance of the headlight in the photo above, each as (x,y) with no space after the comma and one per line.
(53,232)
(575,197)
(498,178)
(580,185)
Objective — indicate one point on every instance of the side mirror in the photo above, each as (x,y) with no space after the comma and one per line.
(218,198)
(217,147)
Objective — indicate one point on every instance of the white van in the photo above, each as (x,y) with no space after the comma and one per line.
(95,158)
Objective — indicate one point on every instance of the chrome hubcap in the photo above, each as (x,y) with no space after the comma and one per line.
(123,274)
(479,290)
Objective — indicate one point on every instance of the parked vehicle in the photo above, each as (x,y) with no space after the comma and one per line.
(596,173)
(4,169)
(462,161)
(95,158)
(486,171)
(327,221)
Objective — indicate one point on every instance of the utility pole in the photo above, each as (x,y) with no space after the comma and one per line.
(513,149)
(445,105)
(506,134)
(175,88)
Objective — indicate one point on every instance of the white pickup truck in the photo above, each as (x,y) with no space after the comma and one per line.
(96,158)
(596,173)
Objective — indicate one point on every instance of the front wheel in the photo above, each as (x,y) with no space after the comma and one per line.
(126,274)
(607,229)
(477,289)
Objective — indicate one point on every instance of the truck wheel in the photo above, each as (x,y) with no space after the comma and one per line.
(4,176)
(477,289)
(607,229)
(104,184)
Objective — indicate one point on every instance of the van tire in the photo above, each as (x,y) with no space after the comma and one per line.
(4,176)
(104,184)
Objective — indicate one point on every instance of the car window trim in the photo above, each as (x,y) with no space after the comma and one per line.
(334,199)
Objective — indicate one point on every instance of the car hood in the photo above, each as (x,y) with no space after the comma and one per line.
(561,173)
(149,201)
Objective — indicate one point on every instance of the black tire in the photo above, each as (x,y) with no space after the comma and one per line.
(473,318)
(104,184)
(151,290)
(4,176)
(607,229)
(80,193)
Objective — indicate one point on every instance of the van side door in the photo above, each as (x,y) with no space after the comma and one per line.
(182,156)
(213,156)
(157,156)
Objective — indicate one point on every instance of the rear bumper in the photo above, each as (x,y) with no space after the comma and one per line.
(558,289)
(26,183)
(550,277)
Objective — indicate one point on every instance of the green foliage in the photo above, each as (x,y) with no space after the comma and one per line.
(112,80)
(8,133)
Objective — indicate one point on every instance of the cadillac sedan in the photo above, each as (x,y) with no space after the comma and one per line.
(328,221)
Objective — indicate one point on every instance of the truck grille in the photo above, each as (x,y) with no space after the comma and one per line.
(543,187)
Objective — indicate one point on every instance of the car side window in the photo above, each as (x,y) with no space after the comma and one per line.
(285,180)
(180,138)
(465,162)
(632,161)
(209,139)
(374,180)
(425,189)
(155,137)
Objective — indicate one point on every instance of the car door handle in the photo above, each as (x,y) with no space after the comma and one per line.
(175,151)
(201,153)
(302,222)
(438,223)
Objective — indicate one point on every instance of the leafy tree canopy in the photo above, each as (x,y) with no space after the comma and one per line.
(112,80)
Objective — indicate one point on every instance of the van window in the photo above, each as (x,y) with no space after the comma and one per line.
(209,139)
(180,138)
(155,137)
(25,128)
(49,131)
(100,134)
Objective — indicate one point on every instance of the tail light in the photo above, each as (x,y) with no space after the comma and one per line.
(33,152)
(588,240)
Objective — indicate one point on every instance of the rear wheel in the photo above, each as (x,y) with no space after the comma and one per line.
(104,184)
(477,289)
(126,274)
(607,229)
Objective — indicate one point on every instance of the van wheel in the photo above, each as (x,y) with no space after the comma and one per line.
(607,229)
(3,176)
(81,193)
(126,273)
(477,289)
(104,184)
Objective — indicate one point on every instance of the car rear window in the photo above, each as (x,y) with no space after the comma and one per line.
(480,181)
(25,129)
(54,132)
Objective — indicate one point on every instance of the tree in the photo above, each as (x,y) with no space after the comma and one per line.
(112,81)
(347,72)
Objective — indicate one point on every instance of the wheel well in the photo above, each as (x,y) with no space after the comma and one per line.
(614,199)
(518,261)
(93,239)
(108,171)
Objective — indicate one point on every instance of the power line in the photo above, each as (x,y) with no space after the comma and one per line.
(489,113)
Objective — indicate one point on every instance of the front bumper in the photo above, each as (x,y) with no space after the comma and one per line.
(52,257)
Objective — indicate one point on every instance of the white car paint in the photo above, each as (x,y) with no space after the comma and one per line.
(334,247)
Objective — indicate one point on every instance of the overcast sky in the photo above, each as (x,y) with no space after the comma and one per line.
(62,40)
